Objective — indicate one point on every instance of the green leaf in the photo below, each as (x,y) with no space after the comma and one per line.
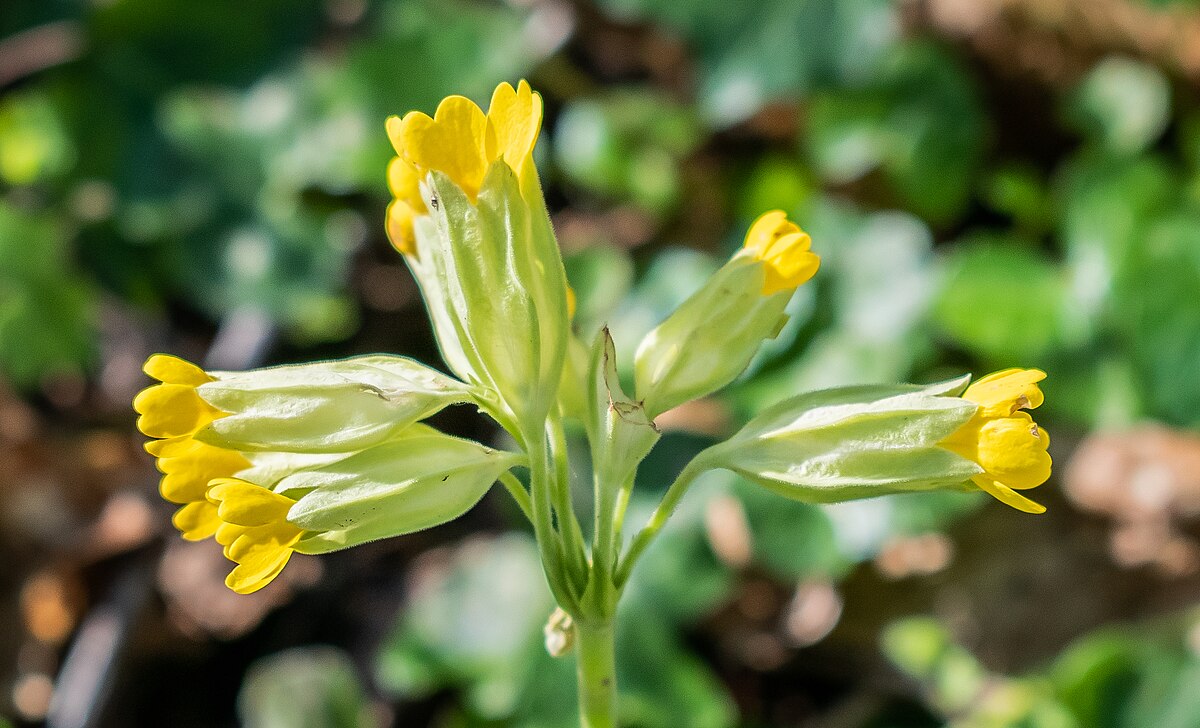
(46,307)
(1001,299)
(473,621)
(920,122)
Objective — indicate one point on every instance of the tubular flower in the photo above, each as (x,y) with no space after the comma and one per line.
(784,249)
(174,412)
(254,531)
(738,308)
(1003,439)
(462,142)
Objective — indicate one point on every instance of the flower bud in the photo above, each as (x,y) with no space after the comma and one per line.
(1003,439)
(853,442)
(711,338)
(334,406)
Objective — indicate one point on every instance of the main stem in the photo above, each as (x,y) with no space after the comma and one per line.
(596,672)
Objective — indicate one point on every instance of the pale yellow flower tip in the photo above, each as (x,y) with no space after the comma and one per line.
(784,249)
(253,528)
(1005,441)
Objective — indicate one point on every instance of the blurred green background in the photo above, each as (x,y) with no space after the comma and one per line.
(990,183)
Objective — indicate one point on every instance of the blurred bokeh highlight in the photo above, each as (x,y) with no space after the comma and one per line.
(990,183)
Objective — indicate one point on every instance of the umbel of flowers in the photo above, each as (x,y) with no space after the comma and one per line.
(317,457)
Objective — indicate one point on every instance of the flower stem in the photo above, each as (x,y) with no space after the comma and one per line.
(596,672)
(518,493)
(657,520)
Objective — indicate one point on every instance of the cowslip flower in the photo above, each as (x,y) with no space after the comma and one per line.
(461,141)
(469,216)
(419,479)
(784,249)
(285,435)
(1003,439)
(852,442)
(319,457)
(710,339)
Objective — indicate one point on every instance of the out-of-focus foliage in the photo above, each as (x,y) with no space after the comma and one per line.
(1110,679)
(193,158)
(184,161)
(308,687)
(45,316)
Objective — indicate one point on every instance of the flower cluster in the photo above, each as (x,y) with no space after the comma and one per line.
(308,458)
(316,457)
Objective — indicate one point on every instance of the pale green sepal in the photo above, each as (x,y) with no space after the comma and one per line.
(710,339)
(433,271)
(496,267)
(620,431)
(573,390)
(268,468)
(412,483)
(948,388)
(851,442)
(334,406)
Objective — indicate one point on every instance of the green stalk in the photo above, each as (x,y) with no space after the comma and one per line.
(596,673)
(657,520)
(575,553)
(549,540)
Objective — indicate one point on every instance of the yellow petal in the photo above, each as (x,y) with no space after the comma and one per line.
(246,504)
(515,117)
(395,132)
(254,574)
(173,446)
(227,533)
(1013,451)
(186,478)
(172,410)
(1008,496)
(173,370)
(196,521)
(789,262)
(400,227)
(1002,393)
(261,553)
(768,227)
(452,142)
(404,181)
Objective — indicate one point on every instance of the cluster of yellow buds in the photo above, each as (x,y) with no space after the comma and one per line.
(316,457)
(308,458)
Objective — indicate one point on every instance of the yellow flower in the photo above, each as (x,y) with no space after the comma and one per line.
(784,249)
(254,532)
(1003,439)
(462,142)
(173,412)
